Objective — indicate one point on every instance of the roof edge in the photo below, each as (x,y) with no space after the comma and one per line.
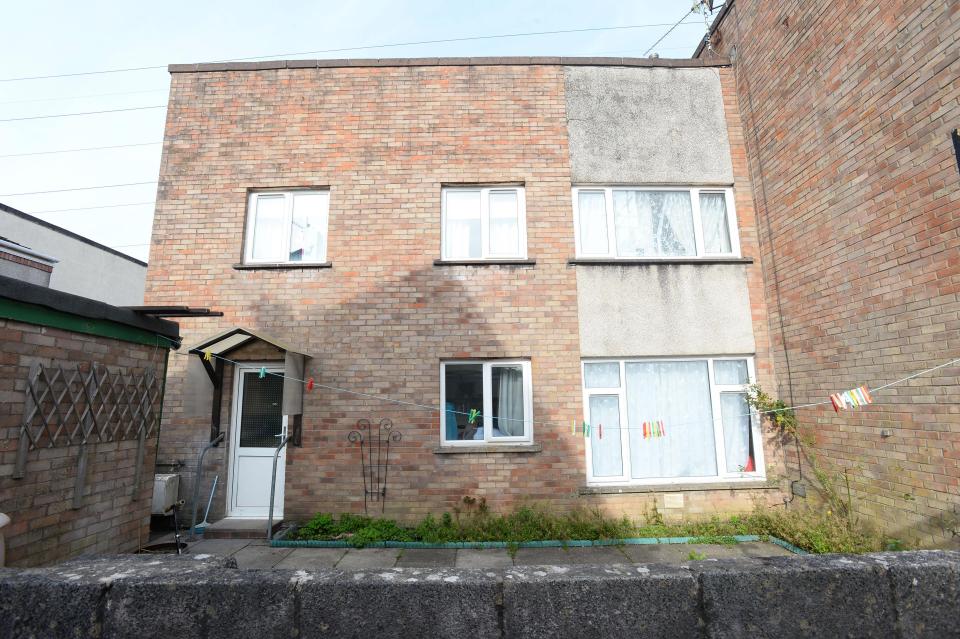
(27,293)
(76,236)
(25,251)
(713,27)
(206,67)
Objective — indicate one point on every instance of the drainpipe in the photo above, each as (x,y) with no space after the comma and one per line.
(273,483)
(196,483)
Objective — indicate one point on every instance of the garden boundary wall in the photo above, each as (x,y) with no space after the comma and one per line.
(907,594)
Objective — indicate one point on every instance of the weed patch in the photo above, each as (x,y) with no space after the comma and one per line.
(812,530)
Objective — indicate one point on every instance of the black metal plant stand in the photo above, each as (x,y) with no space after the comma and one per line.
(374,443)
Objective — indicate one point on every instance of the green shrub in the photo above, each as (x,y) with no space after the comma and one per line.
(818,531)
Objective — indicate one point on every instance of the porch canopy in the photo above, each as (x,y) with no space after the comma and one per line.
(222,345)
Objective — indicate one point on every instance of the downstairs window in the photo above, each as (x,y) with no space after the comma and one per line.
(486,402)
(660,421)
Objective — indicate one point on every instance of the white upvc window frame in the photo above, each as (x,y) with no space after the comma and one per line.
(487,409)
(722,476)
(485,253)
(289,196)
(694,191)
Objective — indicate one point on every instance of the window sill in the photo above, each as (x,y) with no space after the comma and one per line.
(758,484)
(604,261)
(488,448)
(281,266)
(492,262)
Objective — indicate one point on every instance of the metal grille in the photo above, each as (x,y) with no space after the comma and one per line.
(261,420)
(67,406)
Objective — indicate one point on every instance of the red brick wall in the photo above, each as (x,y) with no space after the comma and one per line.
(847,109)
(16,259)
(45,528)
(383,140)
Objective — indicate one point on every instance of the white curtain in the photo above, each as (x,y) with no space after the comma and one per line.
(653,223)
(268,228)
(602,375)
(592,210)
(308,228)
(510,404)
(716,231)
(677,393)
(462,231)
(736,430)
(504,223)
(605,451)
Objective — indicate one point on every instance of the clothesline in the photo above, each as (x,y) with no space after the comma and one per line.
(310,382)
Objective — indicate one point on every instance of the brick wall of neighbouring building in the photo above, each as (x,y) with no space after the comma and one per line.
(384,138)
(848,110)
(46,526)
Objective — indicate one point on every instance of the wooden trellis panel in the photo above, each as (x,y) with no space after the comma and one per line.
(66,406)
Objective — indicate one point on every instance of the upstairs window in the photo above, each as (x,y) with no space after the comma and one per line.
(483,223)
(654,223)
(287,227)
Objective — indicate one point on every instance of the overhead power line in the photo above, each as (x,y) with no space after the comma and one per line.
(81,188)
(89,148)
(90,208)
(81,97)
(64,115)
(362,48)
(670,30)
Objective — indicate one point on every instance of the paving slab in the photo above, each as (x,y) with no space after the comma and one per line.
(569,556)
(761,549)
(260,556)
(312,558)
(427,558)
(366,558)
(680,554)
(221,547)
(486,558)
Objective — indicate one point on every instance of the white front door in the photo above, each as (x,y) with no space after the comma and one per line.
(258,427)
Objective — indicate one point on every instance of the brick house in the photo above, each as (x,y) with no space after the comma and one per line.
(544,241)
(848,113)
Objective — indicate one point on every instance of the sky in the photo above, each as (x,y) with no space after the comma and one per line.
(64,37)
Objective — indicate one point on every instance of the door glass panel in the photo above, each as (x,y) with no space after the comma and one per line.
(261,419)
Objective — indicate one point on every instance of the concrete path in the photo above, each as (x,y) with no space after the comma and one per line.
(258,554)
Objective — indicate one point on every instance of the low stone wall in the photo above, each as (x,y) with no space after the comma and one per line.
(910,594)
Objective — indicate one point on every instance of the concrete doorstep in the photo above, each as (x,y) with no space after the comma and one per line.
(908,594)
